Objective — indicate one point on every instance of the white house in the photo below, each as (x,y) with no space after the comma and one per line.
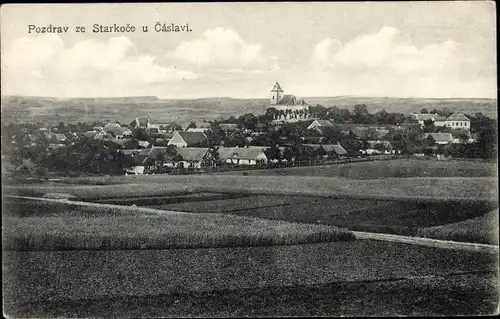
(242,155)
(440,138)
(458,121)
(437,119)
(193,156)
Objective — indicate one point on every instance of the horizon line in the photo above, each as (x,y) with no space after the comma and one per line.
(240,98)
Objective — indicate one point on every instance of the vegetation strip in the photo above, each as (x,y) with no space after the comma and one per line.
(447,244)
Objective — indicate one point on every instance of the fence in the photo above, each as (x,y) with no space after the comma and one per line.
(230,167)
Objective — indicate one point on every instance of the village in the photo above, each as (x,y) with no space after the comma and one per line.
(290,133)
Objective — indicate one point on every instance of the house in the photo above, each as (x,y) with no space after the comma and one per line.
(320,123)
(229,127)
(242,155)
(334,150)
(194,156)
(141,122)
(119,142)
(379,147)
(197,129)
(143,144)
(439,138)
(119,132)
(458,121)
(111,125)
(436,119)
(188,139)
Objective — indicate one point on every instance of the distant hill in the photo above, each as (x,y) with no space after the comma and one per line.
(125,109)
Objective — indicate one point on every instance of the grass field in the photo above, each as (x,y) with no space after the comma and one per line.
(483,229)
(126,282)
(401,168)
(39,226)
(412,189)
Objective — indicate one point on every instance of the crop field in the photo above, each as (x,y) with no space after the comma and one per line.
(403,218)
(342,277)
(401,168)
(483,229)
(55,226)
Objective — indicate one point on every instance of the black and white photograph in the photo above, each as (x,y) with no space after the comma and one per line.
(239,159)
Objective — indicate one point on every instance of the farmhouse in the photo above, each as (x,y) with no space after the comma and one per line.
(334,150)
(197,129)
(320,123)
(229,127)
(440,138)
(436,119)
(194,156)
(242,155)
(458,121)
(188,139)
(379,147)
(119,132)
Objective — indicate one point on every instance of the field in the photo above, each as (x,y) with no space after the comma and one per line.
(407,189)
(483,229)
(393,217)
(278,243)
(342,278)
(33,225)
(401,168)
(24,109)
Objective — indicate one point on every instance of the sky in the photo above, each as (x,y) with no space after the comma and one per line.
(406,49)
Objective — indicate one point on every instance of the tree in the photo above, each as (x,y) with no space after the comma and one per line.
(248,121)
(318,111)
(381,117)
(141,134)
(429,126)
(191,125)
(424,111)
(429,141)
(370,134)
(361,114)
(273,152)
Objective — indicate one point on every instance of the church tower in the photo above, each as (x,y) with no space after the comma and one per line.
(276,94)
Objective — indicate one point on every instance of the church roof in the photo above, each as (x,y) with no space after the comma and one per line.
(287,100)
(277,88)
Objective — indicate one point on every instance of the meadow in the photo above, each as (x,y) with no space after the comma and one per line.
(31,225)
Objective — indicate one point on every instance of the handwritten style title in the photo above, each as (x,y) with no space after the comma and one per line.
(113,28)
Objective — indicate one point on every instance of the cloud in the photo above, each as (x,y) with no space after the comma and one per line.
(45,66)
(386,49)
(386,62)
(217,47)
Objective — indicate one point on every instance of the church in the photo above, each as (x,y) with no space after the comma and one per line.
(288,107)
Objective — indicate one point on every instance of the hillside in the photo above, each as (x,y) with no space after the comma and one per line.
(125,109)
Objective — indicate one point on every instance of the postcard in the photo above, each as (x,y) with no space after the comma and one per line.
(245,159)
